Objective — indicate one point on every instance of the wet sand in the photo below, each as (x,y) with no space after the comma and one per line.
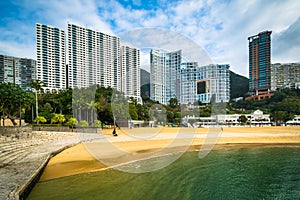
(141,143)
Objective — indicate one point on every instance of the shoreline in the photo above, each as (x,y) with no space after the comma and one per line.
(82,158)
(217,147)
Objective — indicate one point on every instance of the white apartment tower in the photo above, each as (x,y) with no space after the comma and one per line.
(202,83)
(94,58)
(131,64)
(213,80)
(165,75)
(51,58)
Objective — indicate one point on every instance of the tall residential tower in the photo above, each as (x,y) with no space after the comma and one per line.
(51,58)
(130,61)
(165,75)
(94,58)
(260,61)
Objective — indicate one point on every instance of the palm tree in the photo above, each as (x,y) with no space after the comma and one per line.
(37,85)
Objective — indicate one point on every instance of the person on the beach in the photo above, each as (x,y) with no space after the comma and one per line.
(114,132)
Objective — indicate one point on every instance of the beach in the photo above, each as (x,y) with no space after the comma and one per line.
(142,143)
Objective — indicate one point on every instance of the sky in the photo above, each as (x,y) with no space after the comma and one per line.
(217,28)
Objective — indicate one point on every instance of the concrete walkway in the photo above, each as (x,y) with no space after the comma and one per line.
(21,157)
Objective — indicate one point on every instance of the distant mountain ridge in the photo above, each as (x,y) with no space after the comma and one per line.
(238,84)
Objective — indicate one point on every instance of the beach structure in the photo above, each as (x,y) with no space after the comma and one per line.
(256,118)
(294,122)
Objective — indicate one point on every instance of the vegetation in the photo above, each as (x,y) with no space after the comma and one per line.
(40,119)
(94,106)
(83,123)
(58,118)
(72,122)
(282,106)
(14,101)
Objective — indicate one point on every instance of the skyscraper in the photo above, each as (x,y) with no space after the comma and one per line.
(94,58)
(165,75)
(200,83)
(130,61)
(260,61)
(19,71)
(51,58)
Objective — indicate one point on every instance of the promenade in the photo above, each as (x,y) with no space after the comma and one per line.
(22,155)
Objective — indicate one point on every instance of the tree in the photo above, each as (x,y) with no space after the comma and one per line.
(37,85)
(46,111)
(40,119)
(277,117)
(14,101)
(58,118)
(97,123)
(133,112)
(242,119)
(72,122)
(173,102)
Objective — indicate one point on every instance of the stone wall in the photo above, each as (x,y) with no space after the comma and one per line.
(14,130)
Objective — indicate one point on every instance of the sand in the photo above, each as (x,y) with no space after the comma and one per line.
(141,143)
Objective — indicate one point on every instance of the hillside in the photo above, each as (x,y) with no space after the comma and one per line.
(145,83)
(239,85)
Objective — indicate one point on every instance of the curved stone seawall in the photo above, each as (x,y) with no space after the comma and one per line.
(23,158)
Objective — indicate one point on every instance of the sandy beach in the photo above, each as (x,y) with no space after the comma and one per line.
(142,143)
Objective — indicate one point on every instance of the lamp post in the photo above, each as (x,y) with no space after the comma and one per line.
(20,112)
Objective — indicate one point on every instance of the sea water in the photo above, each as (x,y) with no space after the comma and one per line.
(249,173)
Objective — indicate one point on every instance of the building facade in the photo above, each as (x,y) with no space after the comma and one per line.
(165,75)
(189,74)
(19,71)
(130,61)
(213,82)
(94,58)
(285,75)
(51,57)
(202,83)
(260,61)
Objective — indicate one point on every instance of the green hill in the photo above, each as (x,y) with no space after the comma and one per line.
(145,83)
(239,85)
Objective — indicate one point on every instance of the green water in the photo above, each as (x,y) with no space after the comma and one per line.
(256,173)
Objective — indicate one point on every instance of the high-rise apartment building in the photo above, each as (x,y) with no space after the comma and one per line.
(130,62)
(51,57)
(19,71)
(94,58)
(214,81)
(189,74)
(260,61)
(201,83)
(285,75)
(165,75)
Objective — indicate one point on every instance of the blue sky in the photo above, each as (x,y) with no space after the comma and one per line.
(219,27)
